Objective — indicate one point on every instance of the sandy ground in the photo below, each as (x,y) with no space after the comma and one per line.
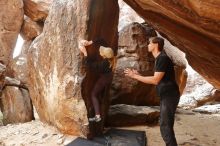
(192,129)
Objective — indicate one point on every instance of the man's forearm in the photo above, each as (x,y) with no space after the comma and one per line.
(146,79)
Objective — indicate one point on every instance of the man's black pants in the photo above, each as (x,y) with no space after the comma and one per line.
(168,107)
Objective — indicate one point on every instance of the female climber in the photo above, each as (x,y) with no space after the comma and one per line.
(103,67)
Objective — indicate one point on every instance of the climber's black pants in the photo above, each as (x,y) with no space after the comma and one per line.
(168,107)
(102,82)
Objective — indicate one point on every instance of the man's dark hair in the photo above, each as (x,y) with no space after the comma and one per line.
(159,41)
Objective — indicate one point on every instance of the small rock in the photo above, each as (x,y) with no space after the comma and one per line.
(67,141)
(16,133)
(2,143)
(45,135)
(60,141)
(35,133)
(54,134)
(21,144)
(60,136)
(40,142)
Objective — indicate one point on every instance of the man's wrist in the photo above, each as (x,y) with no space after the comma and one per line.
(135,76)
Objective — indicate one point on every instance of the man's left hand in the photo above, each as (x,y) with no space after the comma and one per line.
(130,72)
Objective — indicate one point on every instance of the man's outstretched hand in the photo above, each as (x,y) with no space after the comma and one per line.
(131,72)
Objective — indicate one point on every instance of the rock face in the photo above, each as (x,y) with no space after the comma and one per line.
(127,15)
(193,26)
(17,107)
(2,76)
(15,102)
(216,95)
(11,19)
(18,66)
(56,75)
(133,53)
(128,115)
(30,29)
(208,109)
(198,91)
(37,10)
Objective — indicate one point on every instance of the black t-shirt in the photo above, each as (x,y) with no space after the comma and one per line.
(102,66)
(167,86)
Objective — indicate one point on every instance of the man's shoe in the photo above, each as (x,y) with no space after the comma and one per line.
(95,119)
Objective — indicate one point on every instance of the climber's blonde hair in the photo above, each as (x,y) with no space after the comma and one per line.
(107,52)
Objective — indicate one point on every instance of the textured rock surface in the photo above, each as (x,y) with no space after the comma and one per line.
(208,109)
(198,91)
(18,66)
(37,10)
(216,95)
(30,29)
(11,19)
(193,26)
(128,115)
(2,76)
(133,53)
(55,63)
(16,105)
(127,15)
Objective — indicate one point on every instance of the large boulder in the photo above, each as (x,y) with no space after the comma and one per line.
(37,10)
(30,29)
(127,15)
(16,105)
(216,95)
(56,72)
(198,91)
(193,26)
(133,53)
(15,102)
(130,115)
(2,76)
(18,66)
(11,19)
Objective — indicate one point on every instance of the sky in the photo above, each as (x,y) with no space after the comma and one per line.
(18,46)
